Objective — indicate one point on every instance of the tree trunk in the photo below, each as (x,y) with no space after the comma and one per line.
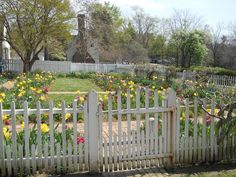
(177,57)
(46,54)
(28,64)
(182,58)
(26,67)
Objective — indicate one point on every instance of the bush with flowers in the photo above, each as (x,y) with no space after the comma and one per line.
(26,87)
(31,88)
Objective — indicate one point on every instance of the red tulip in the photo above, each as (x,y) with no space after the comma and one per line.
(7,122)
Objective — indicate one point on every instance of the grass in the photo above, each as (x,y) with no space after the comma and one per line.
(230,173)
(72,85)
(57,99)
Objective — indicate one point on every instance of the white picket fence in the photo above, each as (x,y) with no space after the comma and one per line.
(16,65)
(142,132)
(223,80)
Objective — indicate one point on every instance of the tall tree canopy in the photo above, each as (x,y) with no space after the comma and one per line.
(30,23)
(191,45)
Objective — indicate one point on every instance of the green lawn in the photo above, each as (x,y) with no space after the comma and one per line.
(69,85)
(72,85)
(57,99)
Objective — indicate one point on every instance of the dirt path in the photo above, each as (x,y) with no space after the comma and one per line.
(220,170)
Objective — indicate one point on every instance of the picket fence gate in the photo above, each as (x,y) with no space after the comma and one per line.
(136,132)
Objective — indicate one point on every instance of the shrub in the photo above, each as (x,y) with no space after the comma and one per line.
(214,70)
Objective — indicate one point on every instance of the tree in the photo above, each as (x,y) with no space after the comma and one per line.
(184,20)
(191,45)
(215,45)
(30,22)
(144,24)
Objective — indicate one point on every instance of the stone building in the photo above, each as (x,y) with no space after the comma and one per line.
(83,48)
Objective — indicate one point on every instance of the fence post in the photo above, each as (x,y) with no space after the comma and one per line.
(93,132)
(171,103)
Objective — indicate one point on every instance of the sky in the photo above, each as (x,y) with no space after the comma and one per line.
(213,12)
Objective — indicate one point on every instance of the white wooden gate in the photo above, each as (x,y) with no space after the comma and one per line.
(137,136)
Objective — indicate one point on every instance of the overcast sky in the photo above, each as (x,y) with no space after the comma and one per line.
(212,11)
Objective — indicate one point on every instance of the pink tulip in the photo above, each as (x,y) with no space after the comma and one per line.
(80,140)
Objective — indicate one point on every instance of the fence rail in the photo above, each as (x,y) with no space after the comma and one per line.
(131,132)
(68,67)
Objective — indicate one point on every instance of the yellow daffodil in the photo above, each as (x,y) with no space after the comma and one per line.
(6,133)
(215,111)
(42,98)
(195,94)
(44,128)
(21,93)
(39,91)
(2,95)
(4,117)
(130,82)
(67,116)
(154,78)
(105,97)
(32,89)
(81,99)
(77,92)
(23,125)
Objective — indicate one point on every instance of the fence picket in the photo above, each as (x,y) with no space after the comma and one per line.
(20,164)
(160,149)
(115,153)
(110,130)
(105,155)
(143,164)
(138,117)
(177,139)
(129,128)
(86,134)
(39,136)
(190,149)
(70,166)
(134,152)
(9,168)
(51,125)
(204,131)
(33,160)
(186,130)
(46,157)
(64,161)
(212,129)
(147,124)
(156,124)
(26,131)
(14,140)
(182,151)
(2,148)
(75,136)
(195,138)
(164,131)
(199,152)
(58,163)
(81,157)
(125,155)
(100,118)
(119,126)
